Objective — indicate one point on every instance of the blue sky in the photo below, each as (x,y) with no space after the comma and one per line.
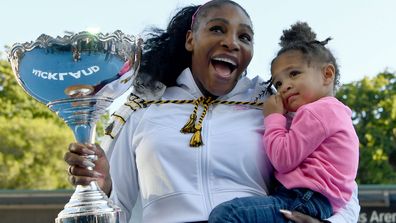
(363,31)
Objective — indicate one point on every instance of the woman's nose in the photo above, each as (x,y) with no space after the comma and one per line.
(230,42)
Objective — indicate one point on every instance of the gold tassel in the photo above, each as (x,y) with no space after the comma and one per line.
(189,126)
(196,139)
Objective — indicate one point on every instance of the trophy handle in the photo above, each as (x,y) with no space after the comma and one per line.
(138,54)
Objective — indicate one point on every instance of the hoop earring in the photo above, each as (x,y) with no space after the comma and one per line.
(244,73)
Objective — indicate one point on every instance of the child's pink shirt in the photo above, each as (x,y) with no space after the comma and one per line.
(319,151)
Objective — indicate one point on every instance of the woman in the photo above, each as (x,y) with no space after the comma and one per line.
(181,177)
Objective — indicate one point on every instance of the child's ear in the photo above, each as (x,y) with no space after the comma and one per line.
(328,74)
(189,41)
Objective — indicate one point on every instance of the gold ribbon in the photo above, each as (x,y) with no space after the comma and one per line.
(191,127)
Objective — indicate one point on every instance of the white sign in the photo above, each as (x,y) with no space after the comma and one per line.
(377,217)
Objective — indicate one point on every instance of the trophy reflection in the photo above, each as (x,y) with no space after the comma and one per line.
(78,76)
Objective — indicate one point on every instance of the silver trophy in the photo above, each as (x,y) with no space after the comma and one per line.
(78,76)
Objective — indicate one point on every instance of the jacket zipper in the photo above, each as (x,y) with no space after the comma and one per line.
(205,163)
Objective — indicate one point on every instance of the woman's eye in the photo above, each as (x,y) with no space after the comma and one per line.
(216,29)
(246,38)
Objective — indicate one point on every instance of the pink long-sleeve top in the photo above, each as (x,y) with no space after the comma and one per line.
(319,151)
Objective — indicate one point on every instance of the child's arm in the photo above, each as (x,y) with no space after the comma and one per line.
(288,148)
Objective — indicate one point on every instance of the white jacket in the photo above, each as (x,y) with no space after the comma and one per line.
(179,183)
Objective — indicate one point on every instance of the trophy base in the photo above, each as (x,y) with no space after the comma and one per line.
(114,217)
(89,204)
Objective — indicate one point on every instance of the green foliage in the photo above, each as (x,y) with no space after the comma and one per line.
(31,153)
(101,125)
(373,101)
(15,102)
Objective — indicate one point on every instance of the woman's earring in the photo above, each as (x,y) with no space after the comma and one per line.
(244,73)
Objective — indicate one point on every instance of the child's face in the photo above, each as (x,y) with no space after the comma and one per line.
(299,83)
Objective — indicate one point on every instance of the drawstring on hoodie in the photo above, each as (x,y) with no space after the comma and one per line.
(191,126)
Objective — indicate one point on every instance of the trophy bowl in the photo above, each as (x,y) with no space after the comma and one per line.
(78,77)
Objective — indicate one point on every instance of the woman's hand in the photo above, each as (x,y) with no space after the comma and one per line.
(82,171)
(299,217)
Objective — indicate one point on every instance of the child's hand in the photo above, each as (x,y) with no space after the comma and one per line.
(273,104)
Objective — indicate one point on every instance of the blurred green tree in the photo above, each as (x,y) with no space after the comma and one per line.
(15,102)
(373,101)
(31,153)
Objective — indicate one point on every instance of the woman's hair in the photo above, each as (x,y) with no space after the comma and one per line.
(203,10)
(300,37)
(164,53)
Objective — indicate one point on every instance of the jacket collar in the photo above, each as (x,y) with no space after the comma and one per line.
(187,82)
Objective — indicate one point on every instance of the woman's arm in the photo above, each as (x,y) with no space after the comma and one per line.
(123,170)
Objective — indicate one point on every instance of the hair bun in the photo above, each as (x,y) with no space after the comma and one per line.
(298,32)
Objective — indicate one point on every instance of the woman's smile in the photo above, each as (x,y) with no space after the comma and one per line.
(224,66)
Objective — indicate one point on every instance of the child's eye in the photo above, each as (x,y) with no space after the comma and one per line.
(294,73)
(216,29)
(277,85)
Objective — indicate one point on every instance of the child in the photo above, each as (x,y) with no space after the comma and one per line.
(316,157)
